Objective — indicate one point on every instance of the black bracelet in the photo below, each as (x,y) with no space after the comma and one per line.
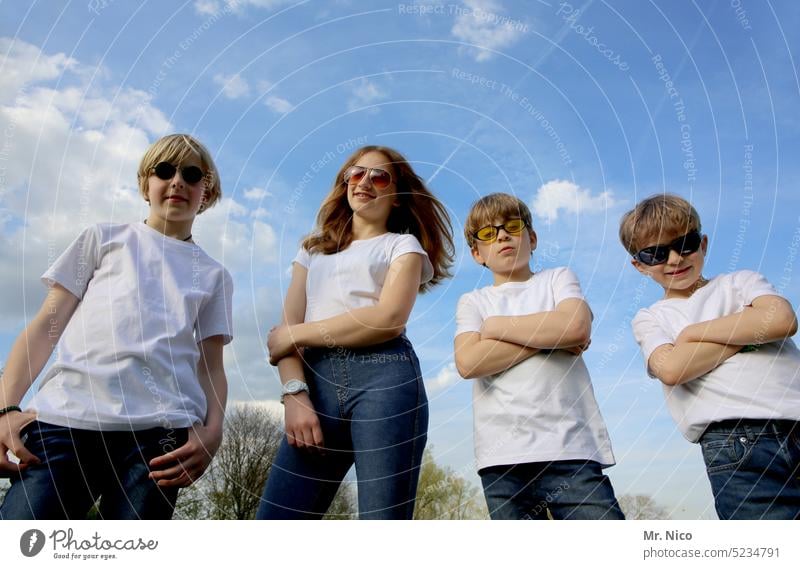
(9,409)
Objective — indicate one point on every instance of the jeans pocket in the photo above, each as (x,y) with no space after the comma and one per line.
(725,454)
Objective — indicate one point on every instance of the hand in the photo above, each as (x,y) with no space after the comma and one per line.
(688,334)
(578,350)
(280,343)
(185,465)
(302,424)
(491,329)
(11,424)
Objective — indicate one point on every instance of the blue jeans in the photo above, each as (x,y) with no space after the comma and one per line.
(78,467)
(754,468)
(568,489)
(373,411)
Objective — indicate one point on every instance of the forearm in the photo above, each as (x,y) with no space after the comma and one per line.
(543,330)
(27,358)
(215,386)
(291,367)
(748,327)
(353,329)
(688,361)
(488,357)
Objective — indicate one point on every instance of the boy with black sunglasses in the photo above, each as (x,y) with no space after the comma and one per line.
(540,441)
(132,407)
(721,348)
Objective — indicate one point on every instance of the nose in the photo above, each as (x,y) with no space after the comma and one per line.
(502,234)
(674,257)
(366,180)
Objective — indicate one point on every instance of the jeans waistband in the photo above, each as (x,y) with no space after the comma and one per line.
(400,343)
(756,426)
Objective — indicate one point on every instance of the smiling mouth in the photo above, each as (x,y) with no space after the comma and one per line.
(363,195)
(679,273)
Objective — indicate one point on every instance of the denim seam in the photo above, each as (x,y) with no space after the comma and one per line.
(748,450)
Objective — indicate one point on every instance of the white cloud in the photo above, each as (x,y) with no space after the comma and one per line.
(233,86)
(277,104)
(211,7)
(69,159)
(564,195)
(446,377)
(481,22)
(257,194)
(364,94)
(24,63)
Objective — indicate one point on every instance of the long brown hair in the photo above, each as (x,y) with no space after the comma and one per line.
(419,213)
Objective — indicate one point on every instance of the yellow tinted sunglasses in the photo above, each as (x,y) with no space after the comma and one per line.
(489,233)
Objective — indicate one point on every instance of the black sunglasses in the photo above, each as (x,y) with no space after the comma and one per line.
(166,171)
(658,254)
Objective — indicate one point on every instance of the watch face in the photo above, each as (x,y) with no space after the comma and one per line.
(293,386)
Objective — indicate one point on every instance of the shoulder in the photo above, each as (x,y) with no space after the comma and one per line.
(559,274)
(405,241)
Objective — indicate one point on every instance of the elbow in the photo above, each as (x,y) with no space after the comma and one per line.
(465,369)
(790,321)
(580,332)
(393,322)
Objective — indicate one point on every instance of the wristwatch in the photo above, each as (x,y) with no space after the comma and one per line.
(292,387)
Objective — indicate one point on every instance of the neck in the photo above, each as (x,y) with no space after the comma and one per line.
(518,275)
(363,229)
(175,229)
(687,292)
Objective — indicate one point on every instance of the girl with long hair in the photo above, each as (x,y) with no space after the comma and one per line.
(352,386)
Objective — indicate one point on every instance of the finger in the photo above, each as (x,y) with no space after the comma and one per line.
(181,481)
(22,453)
(316,436)
(300,439)
(174,468)
(180,454)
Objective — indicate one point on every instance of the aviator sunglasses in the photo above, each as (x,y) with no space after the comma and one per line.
(490,232)
(166,171)
(380,179)
(658,254)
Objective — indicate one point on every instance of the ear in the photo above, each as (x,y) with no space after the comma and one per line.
(534,240)
(641,267)
(704,245)
(476,254)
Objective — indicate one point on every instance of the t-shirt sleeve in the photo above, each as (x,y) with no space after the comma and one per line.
(302,258)
(750,285)
(216,316)
(408,243)
(566,285)
(468,317)
(75,267)
(649,334)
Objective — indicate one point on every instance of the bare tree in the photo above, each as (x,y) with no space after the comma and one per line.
(232,486)
(641,507)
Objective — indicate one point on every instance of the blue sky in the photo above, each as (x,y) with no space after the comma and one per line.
(579,109)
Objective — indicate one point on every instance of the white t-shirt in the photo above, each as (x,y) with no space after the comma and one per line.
(543,408)
(764,384)
(127,359)
(354,278)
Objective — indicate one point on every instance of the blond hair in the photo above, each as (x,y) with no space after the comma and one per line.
(176,149)
(494,206)
(659,216)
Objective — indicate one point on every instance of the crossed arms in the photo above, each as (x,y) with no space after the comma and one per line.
(505,341)
(703,346)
